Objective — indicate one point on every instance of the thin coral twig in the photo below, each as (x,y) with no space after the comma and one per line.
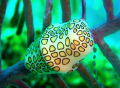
(21,84)
(109,54)
(58,81)
(29,21)
(108,4)
(87,76)
(15,18)
(20,24)
(65,4)
(107,28)
(13,73)
(84,9)
(47,19)
(2,13)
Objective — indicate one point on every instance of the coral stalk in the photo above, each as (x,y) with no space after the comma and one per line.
(87,76)
(47,20)
(59,82)
(2,13)
(65,4)
(20,24)
(15,18)
(84,9)
(13,73)
(103,30)
(109,54)
(29,21)
(108,4)
(107,28)
(21,84)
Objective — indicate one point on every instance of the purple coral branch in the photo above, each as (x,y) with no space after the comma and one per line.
(109,9)
(20,23)
(2,13)
(58,81)
(65,10)
(107,28)
(109,54)
(13,73)
(84,9)
(87,76)
(21,84)
(15,18)
(47,20)
(100,32)
(29,21)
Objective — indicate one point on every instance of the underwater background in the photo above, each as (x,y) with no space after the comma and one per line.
(14,46)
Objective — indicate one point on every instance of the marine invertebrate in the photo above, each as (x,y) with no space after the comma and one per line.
(60,48)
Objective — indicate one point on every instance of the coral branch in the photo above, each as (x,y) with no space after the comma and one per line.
(87,76)
(13,73)
(47,19)
(109,9)
(59,82)
(102,31)
(65,10)
(2,10)
(2,13)
(20,24)
(15,18)
(107,28)
(109,54)
(84,9)
(21,84)
(29,21)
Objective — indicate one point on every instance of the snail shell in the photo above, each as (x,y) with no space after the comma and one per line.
(60,48)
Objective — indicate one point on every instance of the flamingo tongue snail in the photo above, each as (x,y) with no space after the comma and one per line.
(60,48)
